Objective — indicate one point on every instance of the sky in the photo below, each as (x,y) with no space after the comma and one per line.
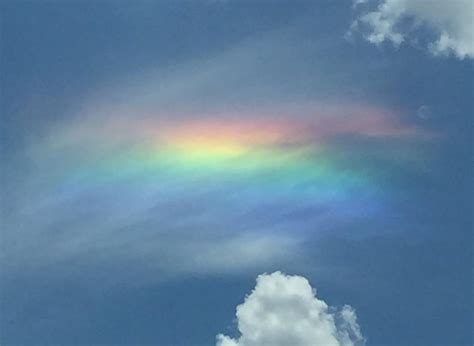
(236,173)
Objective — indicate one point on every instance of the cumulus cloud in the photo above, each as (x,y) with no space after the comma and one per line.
(451,23)
(283,310)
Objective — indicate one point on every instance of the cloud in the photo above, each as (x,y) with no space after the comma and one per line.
(96,188)
(283,310)
(450,24)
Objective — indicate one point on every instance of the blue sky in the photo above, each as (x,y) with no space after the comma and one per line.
(158,156)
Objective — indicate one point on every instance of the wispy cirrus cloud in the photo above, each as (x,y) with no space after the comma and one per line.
(173,171)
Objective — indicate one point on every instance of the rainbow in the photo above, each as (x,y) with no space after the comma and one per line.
(254,160)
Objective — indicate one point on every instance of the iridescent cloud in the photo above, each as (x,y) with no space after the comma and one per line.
(271,177)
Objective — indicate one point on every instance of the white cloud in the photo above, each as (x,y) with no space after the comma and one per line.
(398,21)
(283,310)
(355,3)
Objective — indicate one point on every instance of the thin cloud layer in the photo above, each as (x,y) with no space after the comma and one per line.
(165,171)
(132,188)
(283,310)
(450,24)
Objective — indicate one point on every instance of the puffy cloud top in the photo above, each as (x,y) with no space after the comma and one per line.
(451,21)
(283,310)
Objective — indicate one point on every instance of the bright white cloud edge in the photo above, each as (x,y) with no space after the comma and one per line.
(397,21)
(283,310)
